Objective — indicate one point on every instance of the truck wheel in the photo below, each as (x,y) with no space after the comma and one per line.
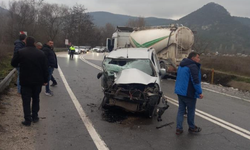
(105,100)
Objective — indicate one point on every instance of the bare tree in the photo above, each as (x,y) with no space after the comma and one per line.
(106,32)
(78,27)
(23,16)
(49,21)
(51,17)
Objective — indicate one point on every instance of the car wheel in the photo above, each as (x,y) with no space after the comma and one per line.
(151,108)
(104,103)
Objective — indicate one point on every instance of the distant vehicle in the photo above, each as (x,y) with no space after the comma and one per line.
(96,49)
(77,50)
(85,49)
(131,80)
(102,50)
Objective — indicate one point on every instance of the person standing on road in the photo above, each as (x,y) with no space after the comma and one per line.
(72,51)
(54,83)
(33,74)
(19,44)
(188,89)
(39,46)
(50,54)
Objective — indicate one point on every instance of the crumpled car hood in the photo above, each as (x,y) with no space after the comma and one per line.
(134,76)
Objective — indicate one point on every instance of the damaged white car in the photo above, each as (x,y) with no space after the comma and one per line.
(131,80)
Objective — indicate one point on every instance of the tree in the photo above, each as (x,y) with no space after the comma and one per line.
(78,27)
(23,17)
(51,17)
(106,32)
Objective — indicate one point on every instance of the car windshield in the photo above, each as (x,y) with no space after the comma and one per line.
(76,47)
(112,66)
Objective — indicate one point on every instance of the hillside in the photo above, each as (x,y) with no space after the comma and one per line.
(101,18)
(217,28)
(2,10)
(243,20)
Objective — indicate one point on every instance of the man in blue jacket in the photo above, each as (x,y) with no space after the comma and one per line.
(188,89)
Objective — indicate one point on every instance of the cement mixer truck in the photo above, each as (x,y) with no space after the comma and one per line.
(172,43)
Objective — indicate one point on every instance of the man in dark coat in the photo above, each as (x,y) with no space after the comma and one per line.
(19,44)
(188,89)
(33,74)
(52,63)
(54,82)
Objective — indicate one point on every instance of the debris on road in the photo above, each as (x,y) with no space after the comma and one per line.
(164,125)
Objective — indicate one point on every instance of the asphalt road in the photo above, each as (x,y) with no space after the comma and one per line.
(73,119)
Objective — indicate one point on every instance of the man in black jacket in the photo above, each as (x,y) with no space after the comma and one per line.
(52,63)
(33,74)
(19,44)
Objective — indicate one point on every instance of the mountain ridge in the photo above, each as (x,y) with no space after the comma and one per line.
(100,18)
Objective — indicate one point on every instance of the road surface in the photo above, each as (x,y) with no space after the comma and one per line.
(73,119)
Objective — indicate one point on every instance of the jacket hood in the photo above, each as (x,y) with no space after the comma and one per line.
(134,76)
(187,62)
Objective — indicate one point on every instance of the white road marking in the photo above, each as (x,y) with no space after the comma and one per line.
(100,144)
(226,94)
(91,64)
(231,127)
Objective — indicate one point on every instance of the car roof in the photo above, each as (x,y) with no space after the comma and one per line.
(131,53)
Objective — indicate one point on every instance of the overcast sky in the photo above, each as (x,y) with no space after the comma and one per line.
(171,9)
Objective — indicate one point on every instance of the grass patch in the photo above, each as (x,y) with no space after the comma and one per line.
(5,66)
(242,79)
(238,66)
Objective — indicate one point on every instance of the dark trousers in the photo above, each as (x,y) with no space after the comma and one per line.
(27,93)
(53,80)
(72,54)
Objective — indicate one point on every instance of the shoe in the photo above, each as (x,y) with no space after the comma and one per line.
(26,123)
(178,132)
(185,115)
(53,84)
(35,120)
(194,130)
(49,93)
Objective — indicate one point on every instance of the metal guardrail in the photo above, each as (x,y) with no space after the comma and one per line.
(6,81)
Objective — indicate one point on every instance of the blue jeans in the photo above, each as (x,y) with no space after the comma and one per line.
(18,80)
(53,79)
(190,103)
(50,73)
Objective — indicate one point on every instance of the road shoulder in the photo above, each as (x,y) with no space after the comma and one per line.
(13,134)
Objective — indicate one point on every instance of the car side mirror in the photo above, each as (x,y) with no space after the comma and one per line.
(162,72)
(99,75)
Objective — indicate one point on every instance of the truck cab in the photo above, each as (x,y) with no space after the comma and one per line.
(120,38)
